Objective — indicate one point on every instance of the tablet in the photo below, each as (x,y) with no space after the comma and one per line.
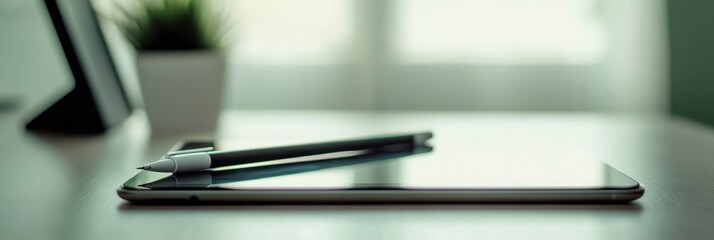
(397,175)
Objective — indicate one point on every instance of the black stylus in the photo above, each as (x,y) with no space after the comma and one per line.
(204,179)
(199,159)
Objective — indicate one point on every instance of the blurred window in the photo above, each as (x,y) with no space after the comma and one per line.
(289,31)
(497,31)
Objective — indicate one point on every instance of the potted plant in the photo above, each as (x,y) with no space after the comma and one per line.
(180,64)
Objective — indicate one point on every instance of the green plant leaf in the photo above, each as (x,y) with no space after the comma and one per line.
(162,25)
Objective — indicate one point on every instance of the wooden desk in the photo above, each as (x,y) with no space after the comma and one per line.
(61,187)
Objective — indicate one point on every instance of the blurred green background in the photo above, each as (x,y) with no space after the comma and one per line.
(645,57)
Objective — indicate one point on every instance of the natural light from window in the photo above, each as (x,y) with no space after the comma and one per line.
(292,32)
(503,31)
(418,31)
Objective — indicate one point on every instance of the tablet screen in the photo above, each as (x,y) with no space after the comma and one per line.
(424,168)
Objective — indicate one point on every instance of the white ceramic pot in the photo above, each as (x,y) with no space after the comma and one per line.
(182,90)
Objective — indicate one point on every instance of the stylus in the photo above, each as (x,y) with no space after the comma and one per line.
(200,159)
(204,179)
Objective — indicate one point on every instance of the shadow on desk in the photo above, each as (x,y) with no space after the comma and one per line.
(630,207)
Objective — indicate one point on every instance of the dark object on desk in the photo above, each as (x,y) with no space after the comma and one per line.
(205,179)
(394,175)
(97,100)
(201,159)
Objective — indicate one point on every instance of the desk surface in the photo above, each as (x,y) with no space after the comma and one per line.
(63,187)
